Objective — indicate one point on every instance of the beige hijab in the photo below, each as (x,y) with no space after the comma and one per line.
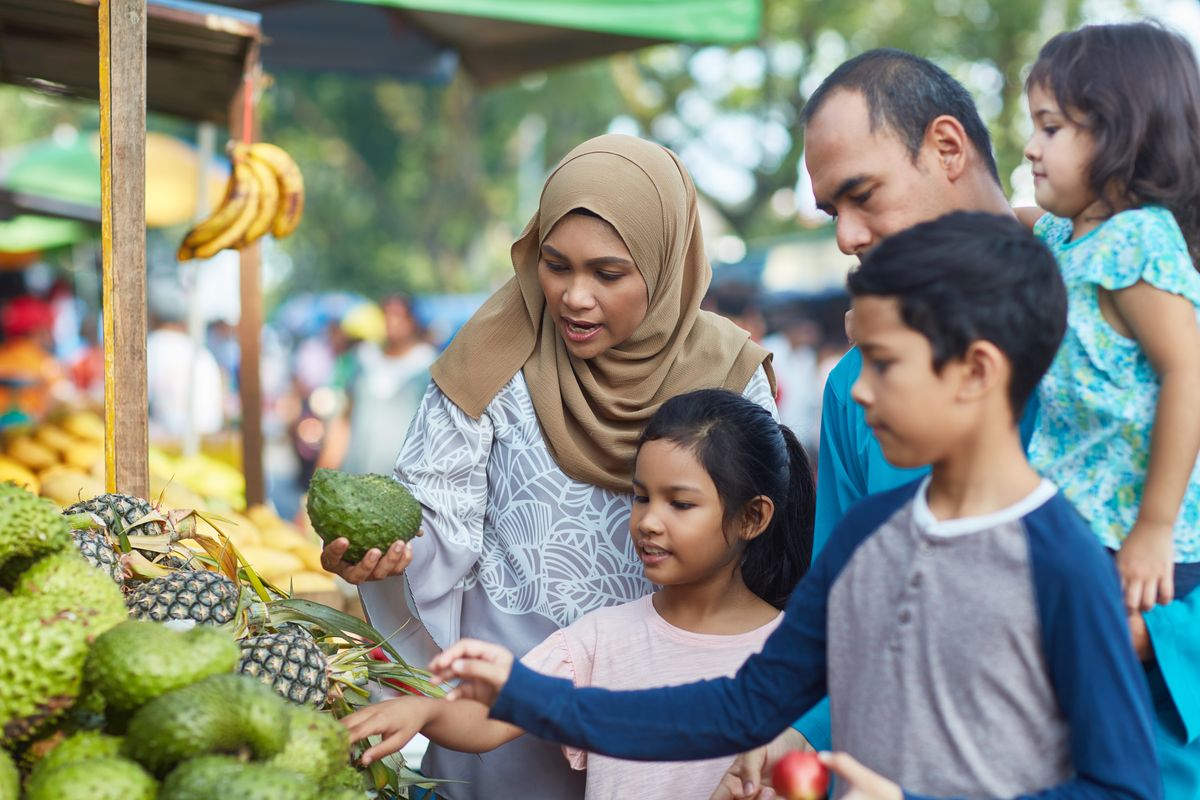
(592,411)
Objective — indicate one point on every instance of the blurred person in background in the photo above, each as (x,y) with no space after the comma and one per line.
(384,382)
(794,347)
(28,371)
(171,381)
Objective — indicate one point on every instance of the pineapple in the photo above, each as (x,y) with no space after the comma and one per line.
(123,508)
(290,663)
(99,552)
(200,595)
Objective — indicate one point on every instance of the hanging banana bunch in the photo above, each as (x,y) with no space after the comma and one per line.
(265,194)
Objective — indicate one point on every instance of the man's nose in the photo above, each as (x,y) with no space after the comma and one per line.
(853,237)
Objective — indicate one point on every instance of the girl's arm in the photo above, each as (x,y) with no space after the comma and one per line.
(462,726)
(1165,326)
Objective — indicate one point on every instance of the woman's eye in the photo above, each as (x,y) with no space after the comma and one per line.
(681,506)
(640,498)
(609,277)
(555,266)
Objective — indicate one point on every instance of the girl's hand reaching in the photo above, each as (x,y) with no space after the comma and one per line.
(481,668)
(1146,562)
(398,721)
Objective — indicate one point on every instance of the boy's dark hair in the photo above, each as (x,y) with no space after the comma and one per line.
(969,276)
(747,453)
(906,93)
(1135,88)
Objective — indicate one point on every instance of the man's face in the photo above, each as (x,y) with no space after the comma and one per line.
(867,179)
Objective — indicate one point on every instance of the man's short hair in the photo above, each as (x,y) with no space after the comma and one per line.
(905,93)
(969,276)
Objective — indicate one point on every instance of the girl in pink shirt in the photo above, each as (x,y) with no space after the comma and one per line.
(722,521)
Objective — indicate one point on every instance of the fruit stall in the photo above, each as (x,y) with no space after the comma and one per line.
(174,655)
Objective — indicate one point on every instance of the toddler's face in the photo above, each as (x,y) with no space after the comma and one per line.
(1060,152)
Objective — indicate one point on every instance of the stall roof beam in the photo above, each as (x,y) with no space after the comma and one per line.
(195,52)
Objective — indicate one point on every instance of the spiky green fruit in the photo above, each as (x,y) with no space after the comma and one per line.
(10,779)
(137,661)
(58,609)
(289,663)
(30,527)
(317,745)
(346,779)
(110,778)
(207,777)
(202,596)
(82,746)
(368,510)
(219,714)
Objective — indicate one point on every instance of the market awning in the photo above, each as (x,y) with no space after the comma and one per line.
(494,40)
(196,53)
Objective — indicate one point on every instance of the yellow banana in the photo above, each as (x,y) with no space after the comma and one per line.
(268,201)
(231,235)
(230,209)
(291,186)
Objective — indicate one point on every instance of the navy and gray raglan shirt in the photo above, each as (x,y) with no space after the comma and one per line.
(981,657)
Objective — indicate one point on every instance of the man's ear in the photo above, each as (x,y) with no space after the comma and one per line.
(756,516)
(984,369)
(948,141)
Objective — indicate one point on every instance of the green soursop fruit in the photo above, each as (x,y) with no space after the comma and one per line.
(317,745)
(137,661)
(82,746)
(368,510)
(209,777)
(10,779)
(95,779)
(30,527)
(291,664)
(57,610)
(203,596)
(346,779)
(220,714)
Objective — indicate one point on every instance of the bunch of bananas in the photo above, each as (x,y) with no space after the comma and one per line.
(265,193)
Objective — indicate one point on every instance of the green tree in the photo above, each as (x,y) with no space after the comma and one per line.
(758,91)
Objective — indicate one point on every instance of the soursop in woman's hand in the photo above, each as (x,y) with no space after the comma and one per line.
(368,510)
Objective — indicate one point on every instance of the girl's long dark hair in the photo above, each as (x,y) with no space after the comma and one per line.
(1136,88)
(747,454)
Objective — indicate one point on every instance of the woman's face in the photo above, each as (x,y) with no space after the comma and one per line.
(594,292)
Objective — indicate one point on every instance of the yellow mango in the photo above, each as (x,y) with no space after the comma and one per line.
(32,453)
(19,474)
(66,486)
(86,425)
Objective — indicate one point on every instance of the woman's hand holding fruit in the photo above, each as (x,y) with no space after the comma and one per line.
(374,566)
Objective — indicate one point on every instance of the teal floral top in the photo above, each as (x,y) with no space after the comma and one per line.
(1099,397)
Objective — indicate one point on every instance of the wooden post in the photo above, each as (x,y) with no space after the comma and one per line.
(242,125)
(123,237)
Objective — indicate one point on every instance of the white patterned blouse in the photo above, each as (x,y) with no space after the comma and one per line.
(513,550)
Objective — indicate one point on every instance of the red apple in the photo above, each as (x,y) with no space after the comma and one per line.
(800,776)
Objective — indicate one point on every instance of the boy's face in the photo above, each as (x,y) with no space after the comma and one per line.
(911,408)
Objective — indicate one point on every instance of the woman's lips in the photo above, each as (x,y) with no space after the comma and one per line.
(580,331)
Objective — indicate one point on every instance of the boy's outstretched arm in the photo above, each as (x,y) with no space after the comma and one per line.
(462,726)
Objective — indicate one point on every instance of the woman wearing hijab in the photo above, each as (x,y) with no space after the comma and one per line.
(522,451)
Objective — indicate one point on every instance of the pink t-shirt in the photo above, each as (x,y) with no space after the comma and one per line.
(631,647)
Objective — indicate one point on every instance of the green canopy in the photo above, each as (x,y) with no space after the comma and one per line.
(713,21)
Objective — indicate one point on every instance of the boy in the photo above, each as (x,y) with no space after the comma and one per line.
(967,626)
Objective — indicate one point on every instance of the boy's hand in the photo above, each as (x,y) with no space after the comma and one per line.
(398,721)
(481,668)
(1146,562)
(861,783)
(748,777)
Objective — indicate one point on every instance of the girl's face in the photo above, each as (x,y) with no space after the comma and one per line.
(594,291)
(1060,152)
(678,519)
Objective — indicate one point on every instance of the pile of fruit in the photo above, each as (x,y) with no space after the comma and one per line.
(63,459)
(133,666)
